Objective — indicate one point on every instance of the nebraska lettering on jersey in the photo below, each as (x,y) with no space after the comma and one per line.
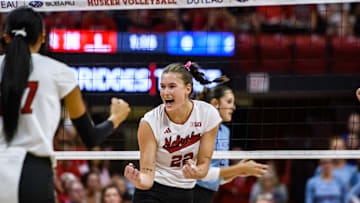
(180,143)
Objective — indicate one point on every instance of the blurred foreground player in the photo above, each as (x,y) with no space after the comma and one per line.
(31,88)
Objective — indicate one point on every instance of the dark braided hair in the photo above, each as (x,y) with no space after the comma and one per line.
(190,72)
(213,93)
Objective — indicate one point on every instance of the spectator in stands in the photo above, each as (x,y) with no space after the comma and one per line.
(140,20)
(168,21)
(101,167)
(264,199)
(243,19)
(336,18)
(269,187)
(186,18)
(303,18)
(99,20)
(91,181)
(346,172)
(122,20)
(122,186)
(273,19)
(111,194)
(326,186)
(63,189)
(351,138)
(354,194)
(356,14)
(76,192)
(238,190)
(212,19)
(61,20)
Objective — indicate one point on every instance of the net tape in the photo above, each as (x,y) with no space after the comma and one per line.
(269,154)
(86,5)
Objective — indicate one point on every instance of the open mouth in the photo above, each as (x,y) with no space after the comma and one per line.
(169,101)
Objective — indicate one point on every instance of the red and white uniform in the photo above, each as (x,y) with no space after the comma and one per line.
(40,109)
(177,143)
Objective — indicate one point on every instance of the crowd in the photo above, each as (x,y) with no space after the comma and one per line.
(332,19)
(98,181)
(331,179)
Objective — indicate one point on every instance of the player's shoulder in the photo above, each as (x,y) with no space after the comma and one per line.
(205,108)
(315,180)
(48,62)
(202,105)
(155,113)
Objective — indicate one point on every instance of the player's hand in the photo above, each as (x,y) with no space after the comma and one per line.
(132,174)
(358,93)
(251,168)
(191,171)
(119,110)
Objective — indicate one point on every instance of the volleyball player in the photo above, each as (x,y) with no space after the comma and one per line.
(176,140)
(31,88)
(222,98)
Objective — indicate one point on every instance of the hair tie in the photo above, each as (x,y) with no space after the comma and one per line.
(187,65)
(21,32)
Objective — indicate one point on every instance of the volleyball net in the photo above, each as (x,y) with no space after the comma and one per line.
(293,65)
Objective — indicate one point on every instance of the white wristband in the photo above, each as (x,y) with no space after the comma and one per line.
(213,173)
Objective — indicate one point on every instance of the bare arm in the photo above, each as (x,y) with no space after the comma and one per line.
(144,178)
(206,150)
(74,103)
(244,168)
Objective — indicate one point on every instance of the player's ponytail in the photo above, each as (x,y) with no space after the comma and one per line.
(23,26)
(213,93)
(191,70)
(199,76)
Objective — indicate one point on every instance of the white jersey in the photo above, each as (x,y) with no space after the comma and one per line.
(48,83)
(177,143)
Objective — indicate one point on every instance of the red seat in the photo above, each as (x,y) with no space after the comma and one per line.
(245,58)
(275,53)
(310,54)
(346,52)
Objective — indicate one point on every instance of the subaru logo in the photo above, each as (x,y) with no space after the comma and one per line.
(36,4)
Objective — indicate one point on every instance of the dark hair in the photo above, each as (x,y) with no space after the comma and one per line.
(187,74)
(214,93)
(17,64)
(106,188)
(85,178)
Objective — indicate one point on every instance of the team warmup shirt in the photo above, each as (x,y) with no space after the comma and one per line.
(320,191)
(39,117)
(177,143)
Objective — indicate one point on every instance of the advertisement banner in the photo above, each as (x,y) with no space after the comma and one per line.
(85,5)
